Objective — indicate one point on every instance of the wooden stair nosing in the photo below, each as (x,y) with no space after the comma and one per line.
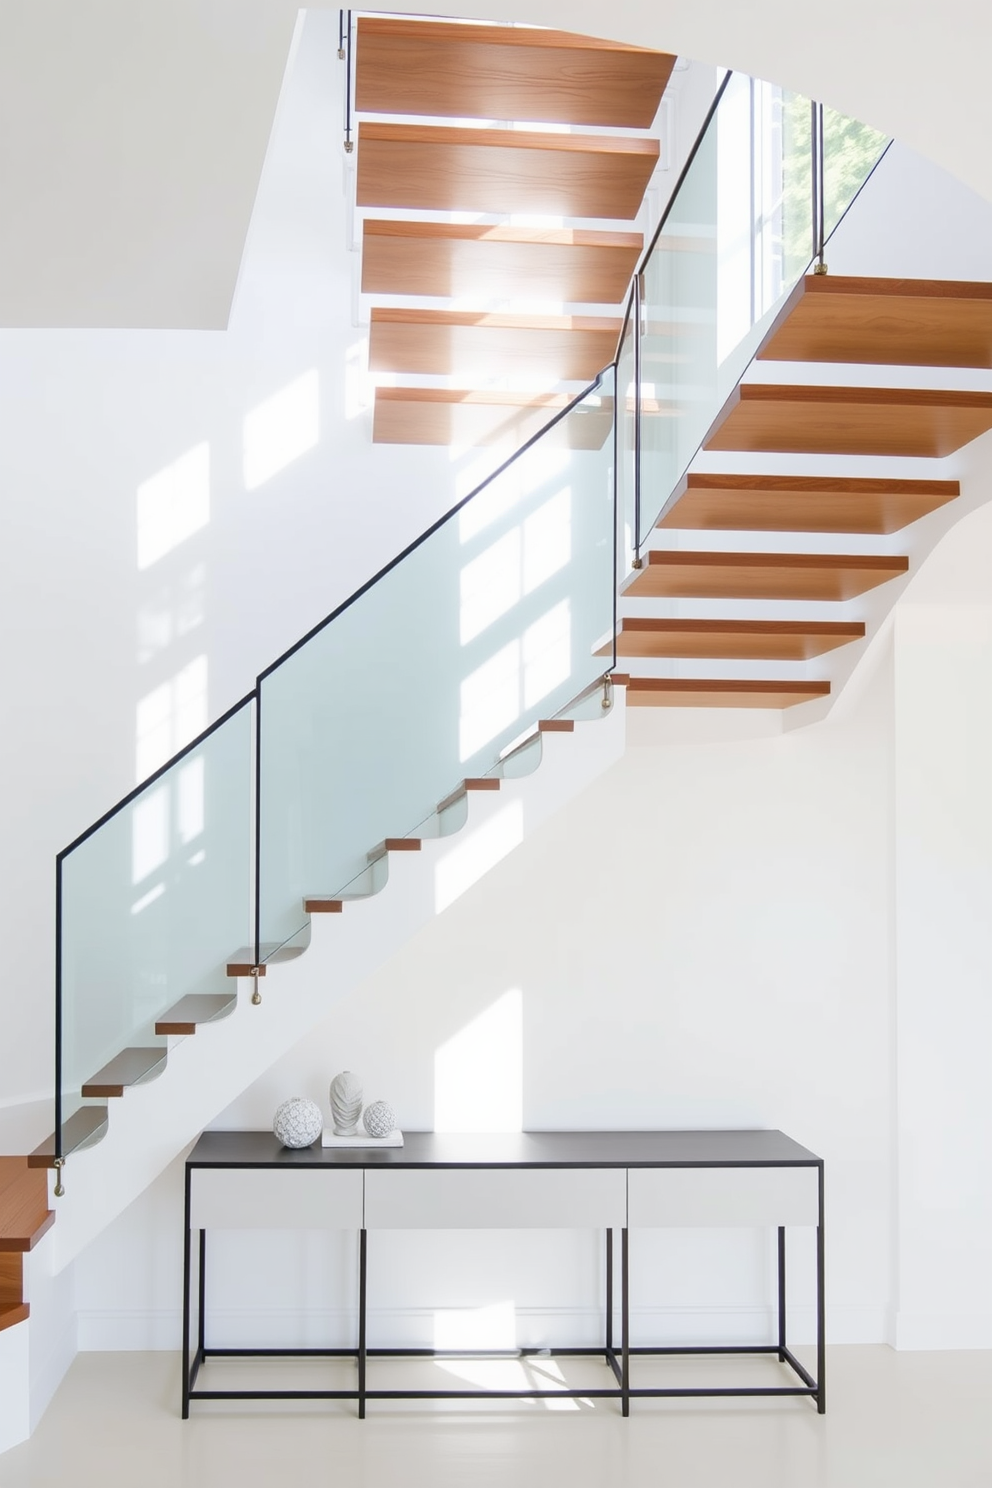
(720,692)
(682,574)
(751,640)
(24,1212)
(80,1130)
(912,322)
(270,953)
(498,72)
(438,168)
(556,726)
(475,783)
(569,265)
(788,503)
(802,419)
(128,1068)
(323,904)
(192,1011)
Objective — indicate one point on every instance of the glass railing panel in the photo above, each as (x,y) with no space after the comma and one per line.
(154,902)
(851,150)
(736,237)
(626,381)
(490,623)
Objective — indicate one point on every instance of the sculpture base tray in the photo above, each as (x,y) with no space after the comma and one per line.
(331,1139)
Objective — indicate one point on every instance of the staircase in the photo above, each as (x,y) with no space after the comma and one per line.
(736,608)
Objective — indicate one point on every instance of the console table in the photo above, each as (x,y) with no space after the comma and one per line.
(532,1180)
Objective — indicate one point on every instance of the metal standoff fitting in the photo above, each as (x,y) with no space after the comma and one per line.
(607,699)
(820,268)
(349,145)
(58,1165)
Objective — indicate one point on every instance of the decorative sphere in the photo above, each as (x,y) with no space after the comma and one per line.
(379,1119)
(346,1103)
(298,1122)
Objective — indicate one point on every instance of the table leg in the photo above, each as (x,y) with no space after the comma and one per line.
(625,1321)
(202,1295)
(781,1294)
(821,1348)
(609,1292)
(362,1296)
(187,1239)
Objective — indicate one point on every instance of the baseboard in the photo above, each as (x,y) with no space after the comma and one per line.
(418,1327)
(943,1330)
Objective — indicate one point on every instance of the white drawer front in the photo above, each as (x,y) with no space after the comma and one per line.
(275,1199)
(664,1198)
(496,1198)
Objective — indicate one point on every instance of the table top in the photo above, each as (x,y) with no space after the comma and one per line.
(558,1149)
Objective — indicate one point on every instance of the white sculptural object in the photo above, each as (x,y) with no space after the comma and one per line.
(379,1119)
(346,1103)
(298,1122)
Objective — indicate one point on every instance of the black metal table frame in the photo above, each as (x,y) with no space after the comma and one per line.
(618,1361)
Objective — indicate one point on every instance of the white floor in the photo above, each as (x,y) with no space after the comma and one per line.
(898,1420)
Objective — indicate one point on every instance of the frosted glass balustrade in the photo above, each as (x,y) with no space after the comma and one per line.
(485,627)
(154,902)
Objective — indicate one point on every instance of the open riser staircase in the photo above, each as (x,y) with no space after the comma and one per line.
(727,588)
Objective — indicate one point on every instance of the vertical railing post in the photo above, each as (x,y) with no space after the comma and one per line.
(59,1157)
(344,52)
(257,916)
(817,192)
(638,301)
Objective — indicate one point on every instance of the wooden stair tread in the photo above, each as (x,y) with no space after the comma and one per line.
(129,1067)
(471,343)
(193,1010)
(502,72)
(24,1212)
(322,904)
(437,168)
(819,576)
(242,963)
(812,503)
(13,1312)
(686,692)
(442,258)
(556,726)
(82,1129)
(927,422)
(455,416)
(475,783)
(393,844)
(741,640)
(894,322)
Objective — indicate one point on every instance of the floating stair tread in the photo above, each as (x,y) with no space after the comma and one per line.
(24,1212)
(502,72)
(393,844)
(894,322)
(738,640)
(926,422)
(323,905)
(80,1130)
(13,1312)
(476,783)
(556,726)
(440,258)
(129,1067)
(683,692)
(818,576)
(815,503)
(436,168)
(270,953)
(473,343)
(466,417)
(193,1010)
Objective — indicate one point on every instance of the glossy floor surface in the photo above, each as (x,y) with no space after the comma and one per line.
(898,1420)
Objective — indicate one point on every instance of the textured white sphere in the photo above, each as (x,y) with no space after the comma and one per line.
(298,1122)
(379,1119)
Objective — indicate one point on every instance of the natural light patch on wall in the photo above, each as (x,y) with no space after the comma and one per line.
(458,1329)
(515,565)
(518,677)
(170,716)
(149,833)
(359,385)
(478,1074)
(542,465)
(475,853)
(175,610)
(172,505)
(281,429)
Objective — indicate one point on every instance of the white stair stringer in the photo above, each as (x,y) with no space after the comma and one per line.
(155,1122)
